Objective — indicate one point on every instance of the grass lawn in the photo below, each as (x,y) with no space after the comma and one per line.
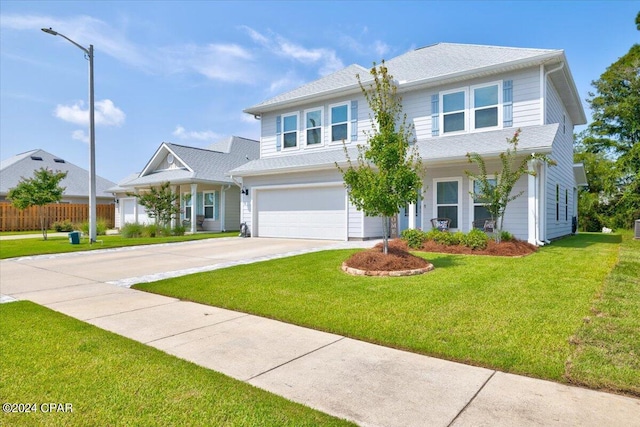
(110,380)
(516,315)
(55,245)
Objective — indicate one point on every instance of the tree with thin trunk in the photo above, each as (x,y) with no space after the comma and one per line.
(42,189)
(495,191)
(387,173)
(160,203)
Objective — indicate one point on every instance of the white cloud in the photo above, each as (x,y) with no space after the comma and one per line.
(325,58)
(377,48)
(206,135)
(79,135)
(105,114)
(225,62)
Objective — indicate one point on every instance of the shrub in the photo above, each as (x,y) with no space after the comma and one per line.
(505,236)
(444,237)
(179,230)
(131,229)
(63,226)
(475,239)
(457,237)
(414,237)
(101,227)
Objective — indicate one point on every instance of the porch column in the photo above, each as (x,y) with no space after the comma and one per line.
(194,207)
(175,218)
(223,191)
(412,216)
(532,206)
(135,208)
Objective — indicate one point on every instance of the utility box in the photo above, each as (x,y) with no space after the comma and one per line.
(637,233)
(74,237)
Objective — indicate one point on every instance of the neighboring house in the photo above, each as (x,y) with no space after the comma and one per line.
(460,99)
(76,184)
(198,176)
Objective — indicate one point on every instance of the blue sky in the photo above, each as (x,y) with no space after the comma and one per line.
(183,71)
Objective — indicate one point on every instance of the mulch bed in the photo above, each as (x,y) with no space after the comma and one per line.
(399,258)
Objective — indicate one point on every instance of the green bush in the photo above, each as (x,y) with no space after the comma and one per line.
(179,230)
(414,237)
(131,230)
(151,230)
(505,236)
(63,226)
(101,227)
(475,239)
(457,237)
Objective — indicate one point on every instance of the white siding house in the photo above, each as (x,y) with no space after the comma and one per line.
(460,99)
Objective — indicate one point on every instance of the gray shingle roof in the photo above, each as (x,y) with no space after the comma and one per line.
(23,165)
(433,150)
(205,164)
(438,62)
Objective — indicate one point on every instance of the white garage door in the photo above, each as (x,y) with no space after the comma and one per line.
(128,212)
(310,213)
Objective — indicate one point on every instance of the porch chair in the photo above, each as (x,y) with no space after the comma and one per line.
(441,224)
(186,223)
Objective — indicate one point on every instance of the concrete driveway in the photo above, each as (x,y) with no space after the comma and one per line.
(369,384)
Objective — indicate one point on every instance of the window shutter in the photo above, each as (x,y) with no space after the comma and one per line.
(278,133)
(200,204)
(435,115)
(507,103)
(354,120)
(216,205)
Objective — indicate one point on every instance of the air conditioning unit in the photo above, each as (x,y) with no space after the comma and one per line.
(637,235)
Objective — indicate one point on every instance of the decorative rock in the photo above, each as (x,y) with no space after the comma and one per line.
(399,273)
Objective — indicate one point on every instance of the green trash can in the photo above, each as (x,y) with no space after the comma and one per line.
(74,237)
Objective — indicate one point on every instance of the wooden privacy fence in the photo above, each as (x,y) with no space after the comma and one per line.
(14,219)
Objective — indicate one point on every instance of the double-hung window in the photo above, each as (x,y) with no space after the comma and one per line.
(454,106)
(313,123)
(480,211)
(209,205)
(290,130)
(484,105)
(339,122)
(448,200)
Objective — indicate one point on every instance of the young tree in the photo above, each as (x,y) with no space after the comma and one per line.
(161,203)
(42,189)
(496,193)
(387,172)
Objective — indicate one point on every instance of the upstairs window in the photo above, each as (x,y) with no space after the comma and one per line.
(313,122)
(339,123)
(485,106)
(290,131)
(454,106)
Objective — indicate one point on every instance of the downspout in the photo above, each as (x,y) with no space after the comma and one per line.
(546,74)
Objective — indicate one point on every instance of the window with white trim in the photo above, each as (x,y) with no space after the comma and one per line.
(210,205)
(187,206)
(339,122)
(290,131)
(313,125)
(484,105)
(454,107)
(448,200)
(480,211)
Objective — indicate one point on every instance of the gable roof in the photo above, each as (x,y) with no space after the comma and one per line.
(435,65)
(76,184)
(533,139)
(200,164)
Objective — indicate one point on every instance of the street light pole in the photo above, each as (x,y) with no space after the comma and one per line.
(92,136)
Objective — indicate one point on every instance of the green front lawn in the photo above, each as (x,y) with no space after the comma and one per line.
(516,315)
(108,380)
(55,245)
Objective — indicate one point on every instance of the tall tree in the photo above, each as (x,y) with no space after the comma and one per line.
(615,132)
(387,173)
(495,191)
(161,203)
(42,189)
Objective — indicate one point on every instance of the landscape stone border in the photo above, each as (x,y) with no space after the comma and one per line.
(399,273)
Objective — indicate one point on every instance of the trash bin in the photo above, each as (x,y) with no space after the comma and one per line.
(74,237)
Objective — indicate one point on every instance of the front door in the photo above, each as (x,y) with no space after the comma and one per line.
(403,216)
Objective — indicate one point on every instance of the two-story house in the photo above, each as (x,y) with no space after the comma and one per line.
(460,98)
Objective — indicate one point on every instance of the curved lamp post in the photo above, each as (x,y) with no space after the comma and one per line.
(92,136)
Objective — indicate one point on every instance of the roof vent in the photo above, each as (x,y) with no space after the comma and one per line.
(37,158)
(59,161)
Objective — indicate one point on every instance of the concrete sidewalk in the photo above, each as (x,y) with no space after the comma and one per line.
(369,384)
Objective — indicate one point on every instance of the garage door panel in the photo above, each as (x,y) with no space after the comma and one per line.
(313,213)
